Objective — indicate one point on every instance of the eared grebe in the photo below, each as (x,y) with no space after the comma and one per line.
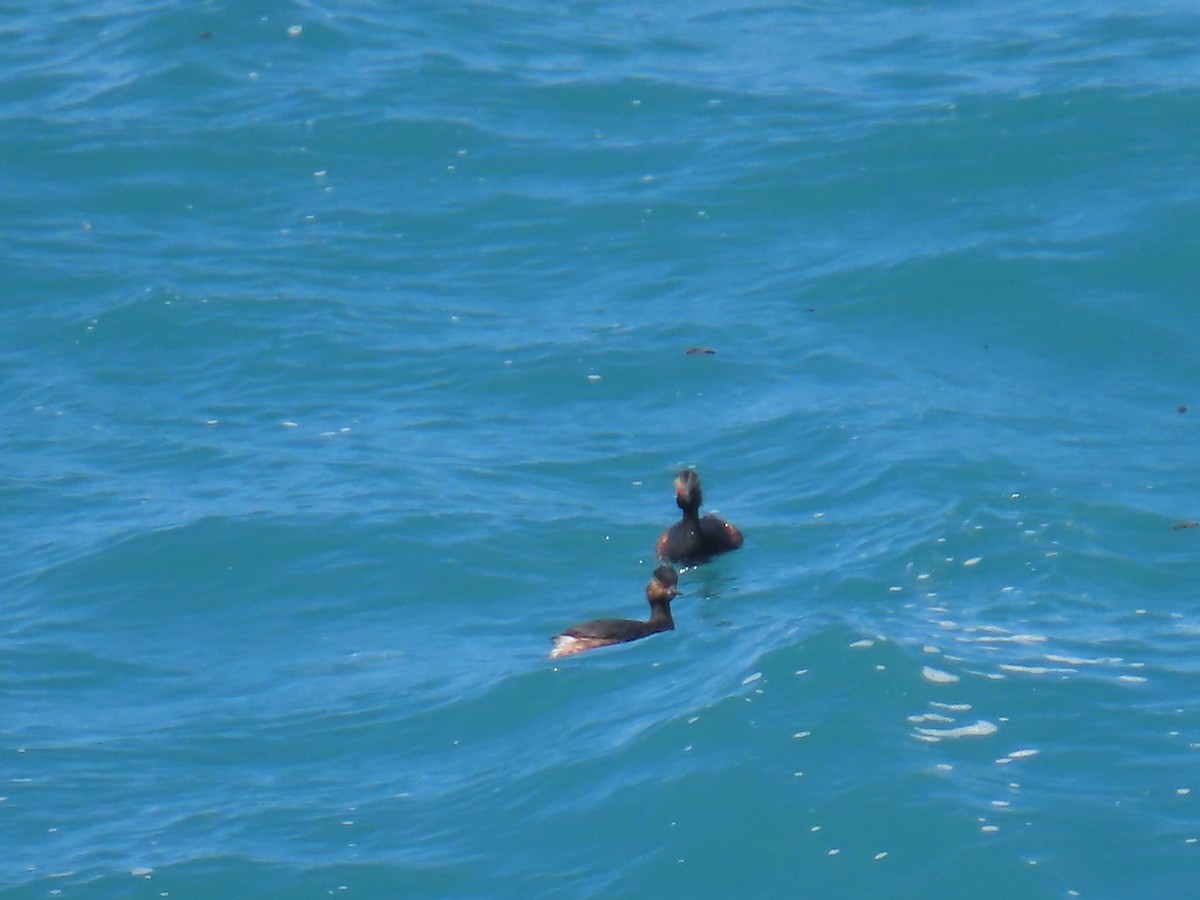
(602,632)
(693,540)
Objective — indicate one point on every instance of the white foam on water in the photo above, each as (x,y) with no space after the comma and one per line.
(982,728)
(937,676)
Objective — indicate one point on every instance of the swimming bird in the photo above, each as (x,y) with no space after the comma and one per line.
(602,632)
(695,539)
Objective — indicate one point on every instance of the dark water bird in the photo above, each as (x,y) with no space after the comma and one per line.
(602,632)
(695,539)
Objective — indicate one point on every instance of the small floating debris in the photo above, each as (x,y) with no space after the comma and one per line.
(1182,409)
(700,351)
(1181,526)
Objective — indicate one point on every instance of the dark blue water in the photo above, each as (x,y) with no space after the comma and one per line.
(344,364)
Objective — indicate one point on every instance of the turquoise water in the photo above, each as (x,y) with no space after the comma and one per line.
(344,355)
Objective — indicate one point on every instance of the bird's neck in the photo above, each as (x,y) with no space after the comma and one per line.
(660,615)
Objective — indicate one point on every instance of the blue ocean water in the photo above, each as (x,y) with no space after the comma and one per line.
(344,354)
